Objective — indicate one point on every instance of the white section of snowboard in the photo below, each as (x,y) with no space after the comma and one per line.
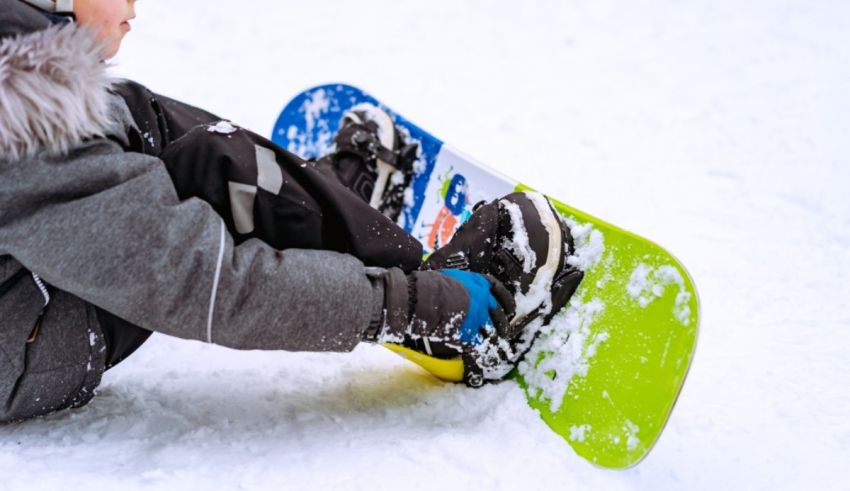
(482,182)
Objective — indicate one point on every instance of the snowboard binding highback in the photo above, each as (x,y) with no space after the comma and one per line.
(372,158)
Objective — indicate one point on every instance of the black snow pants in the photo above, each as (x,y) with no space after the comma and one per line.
(260,190)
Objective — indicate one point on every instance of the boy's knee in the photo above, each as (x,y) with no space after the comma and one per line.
(58,369)
(209,154)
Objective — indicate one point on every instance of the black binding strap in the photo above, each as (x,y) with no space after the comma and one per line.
(357,139)
(473,376)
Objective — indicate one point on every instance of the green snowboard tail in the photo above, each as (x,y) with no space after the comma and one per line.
(607,371)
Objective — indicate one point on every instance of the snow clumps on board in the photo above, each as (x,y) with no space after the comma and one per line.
(647,283)
(316,139)
(563,348)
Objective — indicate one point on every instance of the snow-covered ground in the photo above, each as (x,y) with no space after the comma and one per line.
(717,128)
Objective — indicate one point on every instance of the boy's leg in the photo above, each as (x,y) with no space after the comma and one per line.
(262,191)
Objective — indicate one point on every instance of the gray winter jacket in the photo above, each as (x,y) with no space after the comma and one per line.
(105,227)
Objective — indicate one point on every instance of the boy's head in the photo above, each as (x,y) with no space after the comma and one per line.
(107,19)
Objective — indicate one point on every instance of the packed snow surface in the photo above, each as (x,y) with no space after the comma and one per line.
(716,128)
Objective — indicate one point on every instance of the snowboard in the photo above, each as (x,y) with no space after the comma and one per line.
(606,372)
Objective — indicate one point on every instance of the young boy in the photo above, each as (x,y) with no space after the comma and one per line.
(124,212)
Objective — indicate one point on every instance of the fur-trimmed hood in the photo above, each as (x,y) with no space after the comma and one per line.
(54,91)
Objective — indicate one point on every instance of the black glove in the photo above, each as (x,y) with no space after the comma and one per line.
(449,315)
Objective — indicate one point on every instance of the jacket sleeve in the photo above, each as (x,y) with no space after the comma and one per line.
(108,227)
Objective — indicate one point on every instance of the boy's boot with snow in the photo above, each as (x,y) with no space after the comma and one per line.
(372,158)
(523,242)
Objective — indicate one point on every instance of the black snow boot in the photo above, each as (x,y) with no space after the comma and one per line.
(523,242)
(372,158)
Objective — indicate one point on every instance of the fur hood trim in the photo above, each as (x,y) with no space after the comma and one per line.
(54,92)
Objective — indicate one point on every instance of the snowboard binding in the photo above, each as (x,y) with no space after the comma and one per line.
(524,244)
(372,158)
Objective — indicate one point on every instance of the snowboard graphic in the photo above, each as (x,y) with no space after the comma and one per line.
(606,373)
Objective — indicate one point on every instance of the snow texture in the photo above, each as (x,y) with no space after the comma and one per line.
(562,349)
(647,283)
(577,433)
(518,241)
(589,245)
(716,128)
(568,337)
(222,127)
(312,109)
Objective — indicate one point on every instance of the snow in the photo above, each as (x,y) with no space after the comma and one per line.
(537,292)
(569,336)
(716,128)
(562,349)
(577,432)
(632,441)
(518,241)
(647,283)
(312,108)
(589,245)
(222,127)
